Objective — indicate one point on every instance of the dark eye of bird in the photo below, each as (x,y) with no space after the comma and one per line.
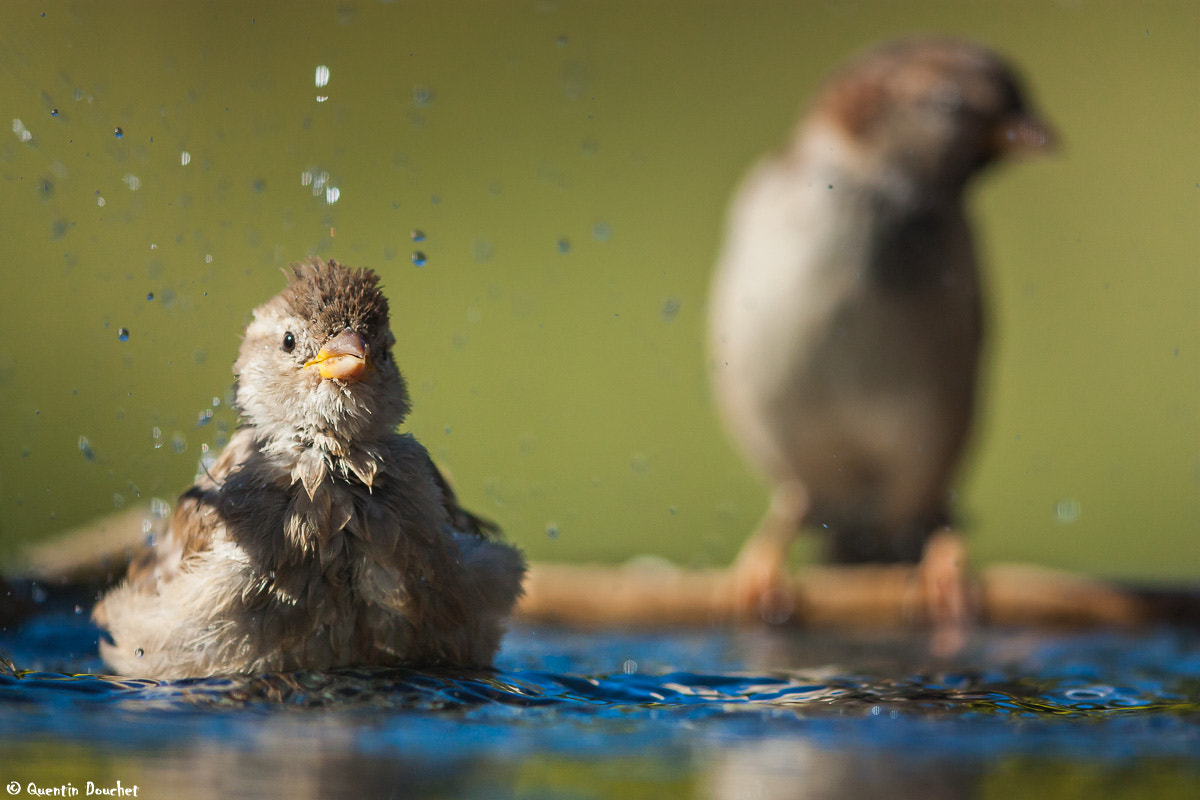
(289,342)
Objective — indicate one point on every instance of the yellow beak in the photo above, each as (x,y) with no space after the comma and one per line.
(343,358)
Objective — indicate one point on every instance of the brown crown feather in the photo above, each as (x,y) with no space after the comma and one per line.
(336,297)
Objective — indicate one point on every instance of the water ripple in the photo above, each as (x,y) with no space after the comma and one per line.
(582,694)
(577,695)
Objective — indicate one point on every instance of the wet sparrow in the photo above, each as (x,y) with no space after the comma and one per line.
(320,537)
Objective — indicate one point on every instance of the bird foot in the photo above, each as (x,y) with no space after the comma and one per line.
(759,581)
(950,605)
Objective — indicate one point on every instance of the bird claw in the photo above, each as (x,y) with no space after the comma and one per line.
(950,605)
(759,581)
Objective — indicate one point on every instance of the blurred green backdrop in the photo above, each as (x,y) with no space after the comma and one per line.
(569,164)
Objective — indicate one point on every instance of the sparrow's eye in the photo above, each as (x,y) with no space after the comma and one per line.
(289,342)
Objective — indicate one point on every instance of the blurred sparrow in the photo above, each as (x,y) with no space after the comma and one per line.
(320,537)
(846,320)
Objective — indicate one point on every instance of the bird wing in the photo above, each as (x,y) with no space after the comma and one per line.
(464,521)
(194,521)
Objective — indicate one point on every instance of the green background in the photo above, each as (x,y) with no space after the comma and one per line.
(570,164)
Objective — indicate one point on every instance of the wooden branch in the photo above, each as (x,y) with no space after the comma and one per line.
(97,552)
(648,593)
(640,595)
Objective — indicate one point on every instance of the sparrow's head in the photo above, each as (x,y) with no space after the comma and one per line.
(316,360)
(933,110)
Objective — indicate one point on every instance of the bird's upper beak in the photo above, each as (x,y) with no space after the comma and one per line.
(1022,132)
(344,357)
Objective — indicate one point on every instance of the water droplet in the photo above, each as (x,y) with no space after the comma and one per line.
(1067,510)
(178,443)
(78,610)
(117,132)
(118,500)
(205,417)
(21,131)
(629,667)
(132,181)
(37,594)
(185,158)
(332,194)
(159,508)
(207,459)
(552,531)
(417,235)
(85,447)
(139,652)
(422,96)
(482,250)
(670,309)
(150,297)
(322,76)
(54,112)
(123,334)
(563,245)
(418,258)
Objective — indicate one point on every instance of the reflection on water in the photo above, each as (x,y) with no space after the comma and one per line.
(682,713)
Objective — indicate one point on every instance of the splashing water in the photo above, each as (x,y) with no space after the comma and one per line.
(724,710)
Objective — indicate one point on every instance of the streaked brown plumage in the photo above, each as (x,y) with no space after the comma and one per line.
(846,312)
(320,537)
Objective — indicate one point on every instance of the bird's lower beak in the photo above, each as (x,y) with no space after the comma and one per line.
(1023,133)
(344,357)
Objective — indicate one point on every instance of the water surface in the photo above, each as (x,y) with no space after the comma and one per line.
(700,713)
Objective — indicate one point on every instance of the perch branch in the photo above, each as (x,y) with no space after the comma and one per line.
(1009,594)
(656,594)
